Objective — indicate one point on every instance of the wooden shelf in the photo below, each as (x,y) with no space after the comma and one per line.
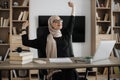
(20,7)
(116,27)
(4,44)
(116,11)
(102,8)
(101,21)
(16,21)
(10,12)
(4,27)
(4,9)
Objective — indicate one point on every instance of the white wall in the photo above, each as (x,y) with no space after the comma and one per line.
(60,7)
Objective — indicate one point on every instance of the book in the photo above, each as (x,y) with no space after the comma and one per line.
(6,54)
(21,57)
(20,54)
(117,52)
(107,3)
(20,15)
(25,2)
(105,71)
(14,73)
(7,22)
(25,15)
(1,21)
(98,18)
(14,31)
(4,22)
(106,17)
(98,4)
(20,61)
(108,30)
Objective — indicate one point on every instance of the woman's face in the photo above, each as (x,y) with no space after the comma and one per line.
(57,23)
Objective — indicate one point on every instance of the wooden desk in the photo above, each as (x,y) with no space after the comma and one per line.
(103,63)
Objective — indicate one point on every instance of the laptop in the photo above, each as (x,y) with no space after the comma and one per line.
(103,52)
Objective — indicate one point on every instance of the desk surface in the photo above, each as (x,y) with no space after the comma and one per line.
(103,63)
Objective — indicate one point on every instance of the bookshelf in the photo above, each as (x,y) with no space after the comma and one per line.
(101,22)
(10,26)
(116,28)
(116,19)
(4,30)
(4,26)
(105,25)
(20,13)
(11,21)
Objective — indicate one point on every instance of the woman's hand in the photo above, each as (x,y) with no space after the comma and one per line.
(25,25)
(70,4)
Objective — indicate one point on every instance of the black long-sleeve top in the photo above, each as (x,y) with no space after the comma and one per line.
(64,43)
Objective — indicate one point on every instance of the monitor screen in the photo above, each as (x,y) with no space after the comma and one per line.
(78,30)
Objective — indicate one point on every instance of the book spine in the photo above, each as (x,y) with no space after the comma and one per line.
(25,3)
(20,15)
(1,21)
(21,54)
(14,31)
(20,62)
(25,15)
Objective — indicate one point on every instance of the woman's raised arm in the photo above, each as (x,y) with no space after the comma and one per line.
(71,4)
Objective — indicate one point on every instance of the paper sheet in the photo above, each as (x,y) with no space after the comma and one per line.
(60,60)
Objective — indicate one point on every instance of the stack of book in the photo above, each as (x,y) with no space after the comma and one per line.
(20,58)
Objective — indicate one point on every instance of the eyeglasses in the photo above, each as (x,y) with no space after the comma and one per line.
(57,21)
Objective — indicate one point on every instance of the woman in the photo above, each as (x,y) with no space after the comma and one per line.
(56,44)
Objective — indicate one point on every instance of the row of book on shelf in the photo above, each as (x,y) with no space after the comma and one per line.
(4,22)
(101,30)
(106,17)
(115,5)
(116,19)
(23,15)
(16,31)
(25,2)
(105,4)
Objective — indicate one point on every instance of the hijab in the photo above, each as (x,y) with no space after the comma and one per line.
(51,47)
